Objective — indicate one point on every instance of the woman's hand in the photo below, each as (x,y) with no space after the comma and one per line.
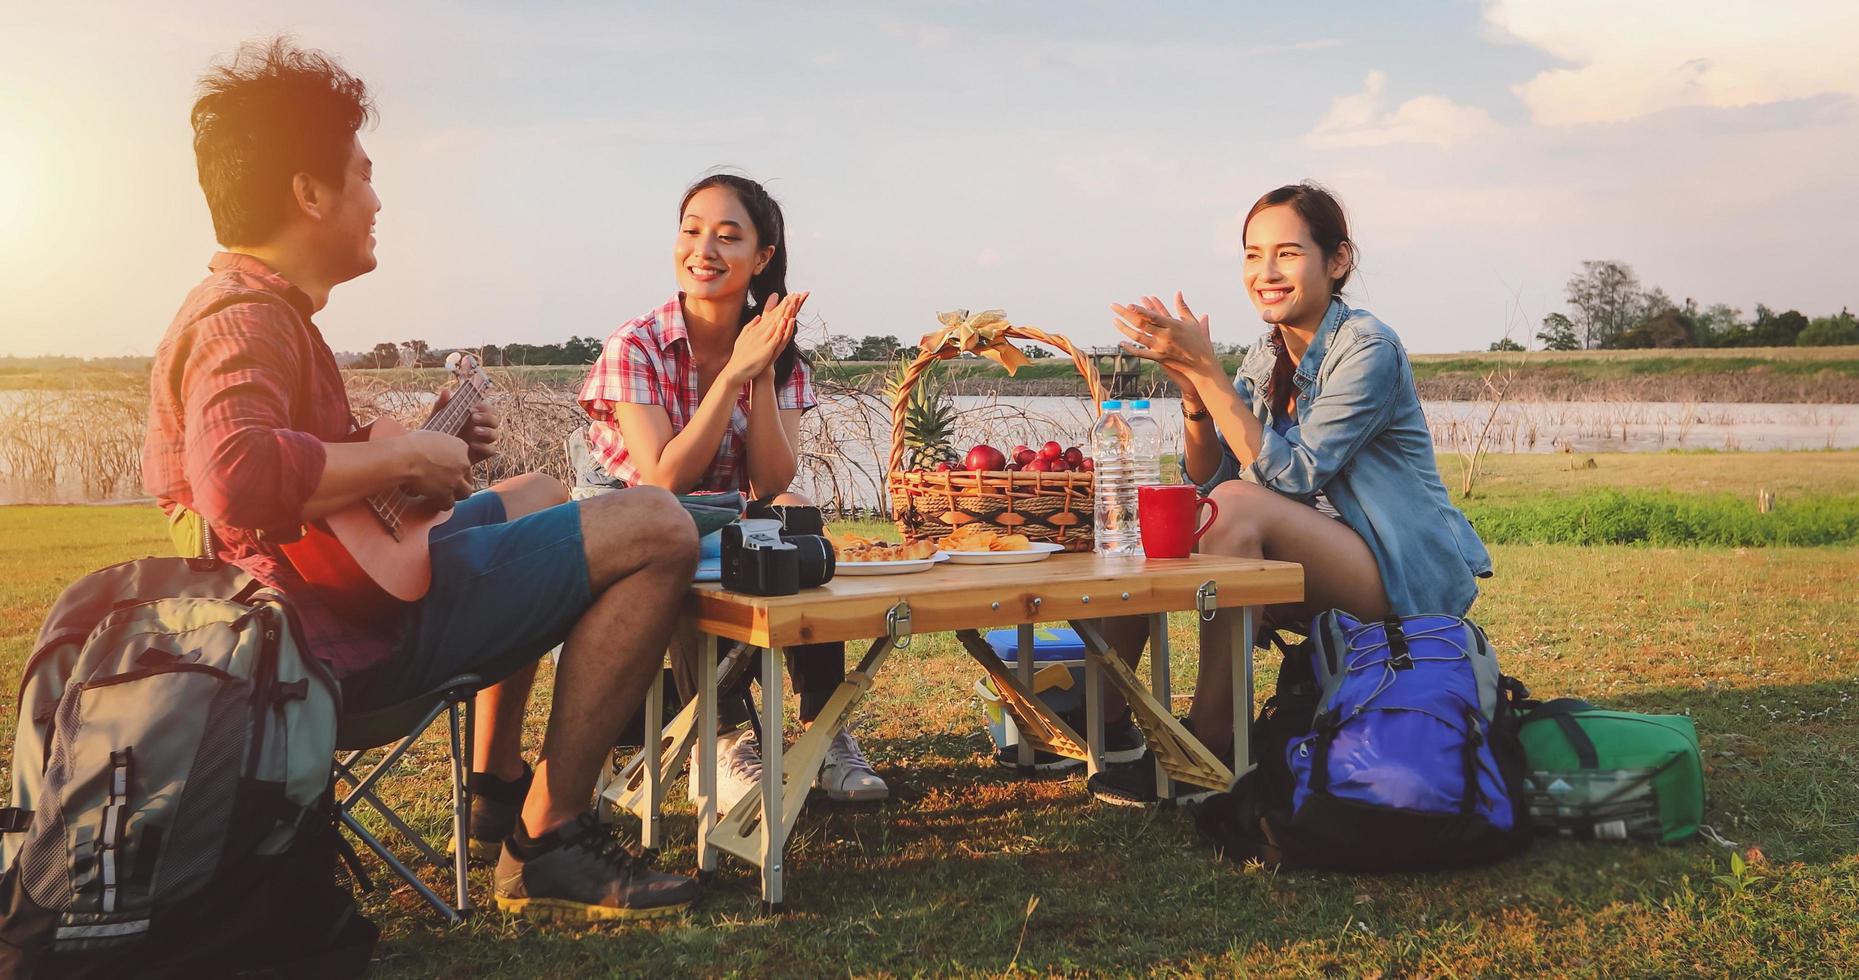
(1182,345)
(763,339)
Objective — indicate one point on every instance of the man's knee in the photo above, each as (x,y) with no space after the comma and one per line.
(789,499)
(646,517)
(529,493)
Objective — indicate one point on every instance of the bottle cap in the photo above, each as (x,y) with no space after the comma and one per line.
(1140,404)
(1112,406)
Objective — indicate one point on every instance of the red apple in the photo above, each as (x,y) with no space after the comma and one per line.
(1058,466)
(1015,452)
(1074,456)
(985,457)
(1089,465)
(1013,467)
(943,467)
(1023,455)
(1051,450)
(1038,465)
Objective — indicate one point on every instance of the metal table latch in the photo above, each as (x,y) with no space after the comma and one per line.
(897,624)
(1206,600)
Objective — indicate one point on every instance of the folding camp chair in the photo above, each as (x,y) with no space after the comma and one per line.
(397,727)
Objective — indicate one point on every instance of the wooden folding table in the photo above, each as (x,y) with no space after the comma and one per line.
(1078,588)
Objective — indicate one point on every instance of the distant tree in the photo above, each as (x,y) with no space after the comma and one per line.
(1712,324)
(491,355)
(1830,331)
(384,355)
(1035,352)
(1670,328)
(1607,300)
(1558,333)
(416,350)
(1776,329)
(834,347)
(877,349)
(1505,344)
(580,350)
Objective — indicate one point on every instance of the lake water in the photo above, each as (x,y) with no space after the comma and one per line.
(848,440)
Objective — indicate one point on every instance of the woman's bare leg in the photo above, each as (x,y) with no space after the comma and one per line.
(498,738)
(1339,572)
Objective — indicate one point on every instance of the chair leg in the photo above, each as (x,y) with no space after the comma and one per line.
(452,916)
(459,717)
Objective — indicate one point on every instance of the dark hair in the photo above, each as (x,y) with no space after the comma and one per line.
(270,113)
(770,229)
(1329,229)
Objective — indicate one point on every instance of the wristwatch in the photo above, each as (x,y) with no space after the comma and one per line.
(1193,416)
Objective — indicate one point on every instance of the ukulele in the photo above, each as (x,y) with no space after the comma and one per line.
(370,558)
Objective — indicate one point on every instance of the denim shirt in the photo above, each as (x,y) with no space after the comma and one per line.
(1361,439)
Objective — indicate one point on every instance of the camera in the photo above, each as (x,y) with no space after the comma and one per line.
(779,554)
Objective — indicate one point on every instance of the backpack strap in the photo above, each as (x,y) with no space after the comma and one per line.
(1468,755)
(1399,657)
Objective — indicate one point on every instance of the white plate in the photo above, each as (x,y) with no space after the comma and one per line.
(888,567)
(1039,552)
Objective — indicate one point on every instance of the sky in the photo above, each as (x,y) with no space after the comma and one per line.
(1047,159)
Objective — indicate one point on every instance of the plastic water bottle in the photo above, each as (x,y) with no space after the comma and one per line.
(1114,518)
(1145,459)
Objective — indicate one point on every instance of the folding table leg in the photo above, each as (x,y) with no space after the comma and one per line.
(1093,716)
(1240,642)
(1176,750)
(1024,666)
(774,836)
(706,752)
(1160,685)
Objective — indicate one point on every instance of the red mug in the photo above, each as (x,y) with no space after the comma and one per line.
(1166,515)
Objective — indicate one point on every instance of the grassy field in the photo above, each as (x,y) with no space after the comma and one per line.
(1752,643)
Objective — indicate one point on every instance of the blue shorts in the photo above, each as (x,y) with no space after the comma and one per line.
(503,594)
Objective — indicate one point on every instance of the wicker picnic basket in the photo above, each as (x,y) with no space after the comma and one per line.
(1053,507)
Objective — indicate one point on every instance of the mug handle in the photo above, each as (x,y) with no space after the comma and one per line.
(1211,518)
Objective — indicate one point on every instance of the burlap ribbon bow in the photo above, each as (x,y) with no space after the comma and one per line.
(983,334)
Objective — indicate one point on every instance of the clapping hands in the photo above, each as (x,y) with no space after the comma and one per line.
(764,338)
(1182,343)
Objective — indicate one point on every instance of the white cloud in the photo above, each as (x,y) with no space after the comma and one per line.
(1361,120)
(1631,59)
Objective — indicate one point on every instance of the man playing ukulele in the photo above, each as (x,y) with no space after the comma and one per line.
(249,427)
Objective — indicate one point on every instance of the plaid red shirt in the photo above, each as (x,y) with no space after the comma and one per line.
(648,362)
(243,395)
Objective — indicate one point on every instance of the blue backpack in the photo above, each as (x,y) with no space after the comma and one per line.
(1389,746)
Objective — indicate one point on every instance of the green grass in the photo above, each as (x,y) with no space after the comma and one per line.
(1661,517)
(1755,644)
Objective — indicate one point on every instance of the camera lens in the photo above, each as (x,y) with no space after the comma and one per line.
(816,558)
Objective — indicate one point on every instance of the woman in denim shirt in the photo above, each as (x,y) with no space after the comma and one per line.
(1318,452)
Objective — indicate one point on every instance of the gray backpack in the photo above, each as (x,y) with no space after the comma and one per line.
(170,778)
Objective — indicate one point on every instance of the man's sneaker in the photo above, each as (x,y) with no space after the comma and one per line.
(847,776)
(1134,784)
(581,872)
(738,768)
(495,804)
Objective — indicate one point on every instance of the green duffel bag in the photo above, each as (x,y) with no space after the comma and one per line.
(1612,775)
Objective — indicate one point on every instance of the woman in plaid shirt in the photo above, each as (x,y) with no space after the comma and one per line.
(705,393)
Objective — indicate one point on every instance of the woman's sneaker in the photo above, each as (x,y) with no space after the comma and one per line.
(738,768)
(1134,785)
(495,804)
(581,872)
(846,776)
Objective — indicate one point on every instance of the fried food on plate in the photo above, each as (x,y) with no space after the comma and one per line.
(858,547)
(976,537)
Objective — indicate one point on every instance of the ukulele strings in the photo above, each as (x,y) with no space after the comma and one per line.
(456,410)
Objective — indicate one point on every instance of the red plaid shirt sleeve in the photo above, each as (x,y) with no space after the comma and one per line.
(798,392)
(625,372)
(247,466)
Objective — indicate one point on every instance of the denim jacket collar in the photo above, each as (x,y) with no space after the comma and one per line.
(1257,367)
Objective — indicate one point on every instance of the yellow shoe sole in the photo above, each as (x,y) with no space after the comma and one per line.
(564,910)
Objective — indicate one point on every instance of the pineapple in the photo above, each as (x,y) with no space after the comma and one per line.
(929,421)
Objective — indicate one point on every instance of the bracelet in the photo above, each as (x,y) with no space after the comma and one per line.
(1192,416)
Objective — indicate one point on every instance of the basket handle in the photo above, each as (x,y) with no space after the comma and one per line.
(1087,368)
